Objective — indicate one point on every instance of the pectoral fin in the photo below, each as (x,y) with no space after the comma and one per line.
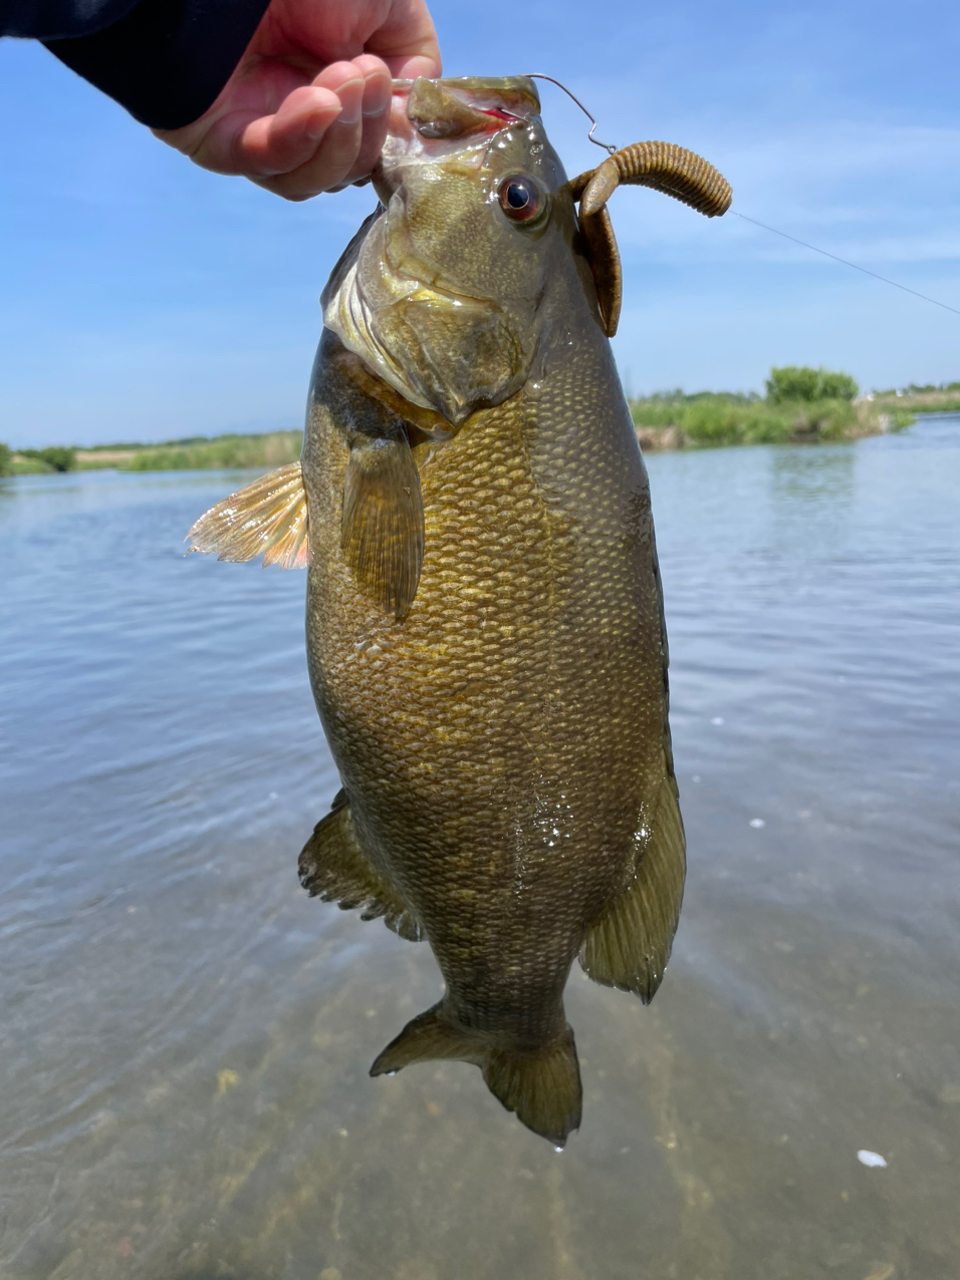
(382,526)
(268,517)
(630,946)
(334,868)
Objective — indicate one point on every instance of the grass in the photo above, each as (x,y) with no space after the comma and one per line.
(195,453)
(725,418)
(20,465)
(921,401)
(272,449)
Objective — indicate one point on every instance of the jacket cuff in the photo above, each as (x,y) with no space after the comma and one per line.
(166,60)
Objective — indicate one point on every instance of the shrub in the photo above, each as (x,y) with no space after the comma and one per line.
(797,382)
(723,418)
(5,455)
(837,386)
(56,457)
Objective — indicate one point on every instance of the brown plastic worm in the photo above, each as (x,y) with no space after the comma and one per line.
(661,165)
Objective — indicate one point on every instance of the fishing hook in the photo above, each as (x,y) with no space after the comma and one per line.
(607,146)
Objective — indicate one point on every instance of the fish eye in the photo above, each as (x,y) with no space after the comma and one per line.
(521,199)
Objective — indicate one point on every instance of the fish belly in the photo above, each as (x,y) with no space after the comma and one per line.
(502,746)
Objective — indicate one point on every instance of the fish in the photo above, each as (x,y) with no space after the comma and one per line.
(484,620)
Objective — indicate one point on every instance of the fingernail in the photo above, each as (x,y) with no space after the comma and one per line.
(377,97)
(350,110)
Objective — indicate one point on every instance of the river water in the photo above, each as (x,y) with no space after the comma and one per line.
(185,1036)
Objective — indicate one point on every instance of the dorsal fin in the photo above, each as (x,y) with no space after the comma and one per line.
(268,517)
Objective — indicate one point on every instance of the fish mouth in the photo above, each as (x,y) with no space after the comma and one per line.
(430,118)
(455,108)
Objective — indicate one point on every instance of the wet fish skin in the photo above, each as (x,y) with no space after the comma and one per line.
(502,739)
(485,628)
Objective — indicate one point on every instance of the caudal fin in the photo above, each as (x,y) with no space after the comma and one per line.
(541,1085)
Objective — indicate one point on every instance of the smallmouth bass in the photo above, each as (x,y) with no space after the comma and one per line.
(485,628)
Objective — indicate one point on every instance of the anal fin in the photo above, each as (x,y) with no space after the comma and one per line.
(382,525)
(268,517)
(630,945)
(541,1084)
(334,868)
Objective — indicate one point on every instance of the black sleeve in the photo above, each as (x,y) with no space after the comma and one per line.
(164,60)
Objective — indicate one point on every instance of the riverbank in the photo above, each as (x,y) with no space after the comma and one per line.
(711,419)
(195,453)
(947,401)
(663,422)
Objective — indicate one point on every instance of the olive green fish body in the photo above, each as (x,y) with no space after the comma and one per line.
(484,615)
(502,745)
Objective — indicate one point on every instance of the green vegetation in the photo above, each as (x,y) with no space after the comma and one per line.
(801,405)
(193,453)
(37,462)
(913,400)
(811,386)
(272,450)
(930,388)
(197,453)
(897,419)
(55,458)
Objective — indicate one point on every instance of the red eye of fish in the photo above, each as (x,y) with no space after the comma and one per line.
(520,198)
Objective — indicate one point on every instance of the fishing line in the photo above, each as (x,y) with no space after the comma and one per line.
(756,223)
(542,75)
(611,150)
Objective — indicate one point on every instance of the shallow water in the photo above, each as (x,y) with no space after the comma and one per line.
(185,1036)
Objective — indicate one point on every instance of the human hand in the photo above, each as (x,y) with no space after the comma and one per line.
(306,110)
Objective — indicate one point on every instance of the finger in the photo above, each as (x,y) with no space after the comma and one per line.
(279,143)
(333,157)
(377,100)
(301,147)
(239,139)
(409,68)
(407,41)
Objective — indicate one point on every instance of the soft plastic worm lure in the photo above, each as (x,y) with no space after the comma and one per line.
(661,165)
(664,167)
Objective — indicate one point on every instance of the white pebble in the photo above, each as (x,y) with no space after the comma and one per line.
(871,1159)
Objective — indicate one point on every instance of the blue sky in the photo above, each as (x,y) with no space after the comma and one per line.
(141,298)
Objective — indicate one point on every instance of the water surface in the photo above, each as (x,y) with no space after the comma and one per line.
(186,1037)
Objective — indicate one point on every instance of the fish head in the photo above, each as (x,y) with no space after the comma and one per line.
(442,292)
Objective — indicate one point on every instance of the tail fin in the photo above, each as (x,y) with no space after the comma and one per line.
(541,1085)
